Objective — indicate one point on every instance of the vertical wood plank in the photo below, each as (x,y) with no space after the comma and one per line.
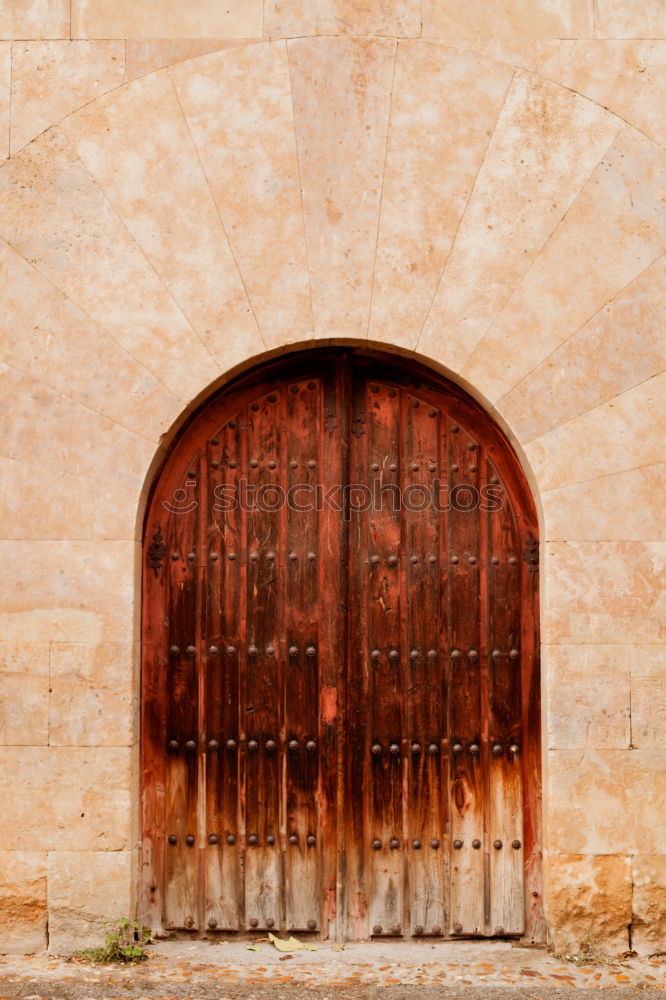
(384,558)
(535,921)
(506,820)
(260,710)
(426,813)
(303,413)
(154,714)
(182,869)
(222,900)
(467,913)
(358,691)
(332,568)
(441,497)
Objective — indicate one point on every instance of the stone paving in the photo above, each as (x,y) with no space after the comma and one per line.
(199,970)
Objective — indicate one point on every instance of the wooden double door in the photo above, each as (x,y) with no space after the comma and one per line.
(340,681)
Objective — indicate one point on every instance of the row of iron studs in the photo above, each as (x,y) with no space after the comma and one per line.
(252,840)
(311,841)
(376,748)
(231,744)
(375,654)
(391,560)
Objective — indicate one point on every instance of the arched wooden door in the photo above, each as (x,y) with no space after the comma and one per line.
(340,662)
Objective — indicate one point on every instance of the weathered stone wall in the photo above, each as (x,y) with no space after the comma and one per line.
(193,185)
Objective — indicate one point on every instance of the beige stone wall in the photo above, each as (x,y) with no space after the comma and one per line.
(194,185)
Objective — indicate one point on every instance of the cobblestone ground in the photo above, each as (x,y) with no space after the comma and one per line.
(201,970)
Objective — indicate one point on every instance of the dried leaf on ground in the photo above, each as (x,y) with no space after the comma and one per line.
(291,944)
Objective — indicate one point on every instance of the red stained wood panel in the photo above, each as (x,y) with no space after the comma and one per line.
(154,708)
(468,751)
(182,735)
(535,922)
(224,613)
(381,555)
(356,849)
(261,653)
(505,778)
(332,568)
(425,692)
(302,684)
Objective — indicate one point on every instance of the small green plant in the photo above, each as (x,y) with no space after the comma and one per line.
(123,943)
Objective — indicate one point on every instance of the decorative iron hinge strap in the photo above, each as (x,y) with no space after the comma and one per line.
(531,553)
(156,552)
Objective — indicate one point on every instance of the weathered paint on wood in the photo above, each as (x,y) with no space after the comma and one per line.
(505,781)
(465,655)
(383,604)
(301,687)
(318,754)
(182,743)
(426,689)
(224,612)
(259,706)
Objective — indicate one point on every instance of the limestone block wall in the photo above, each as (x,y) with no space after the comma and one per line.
(190,187)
